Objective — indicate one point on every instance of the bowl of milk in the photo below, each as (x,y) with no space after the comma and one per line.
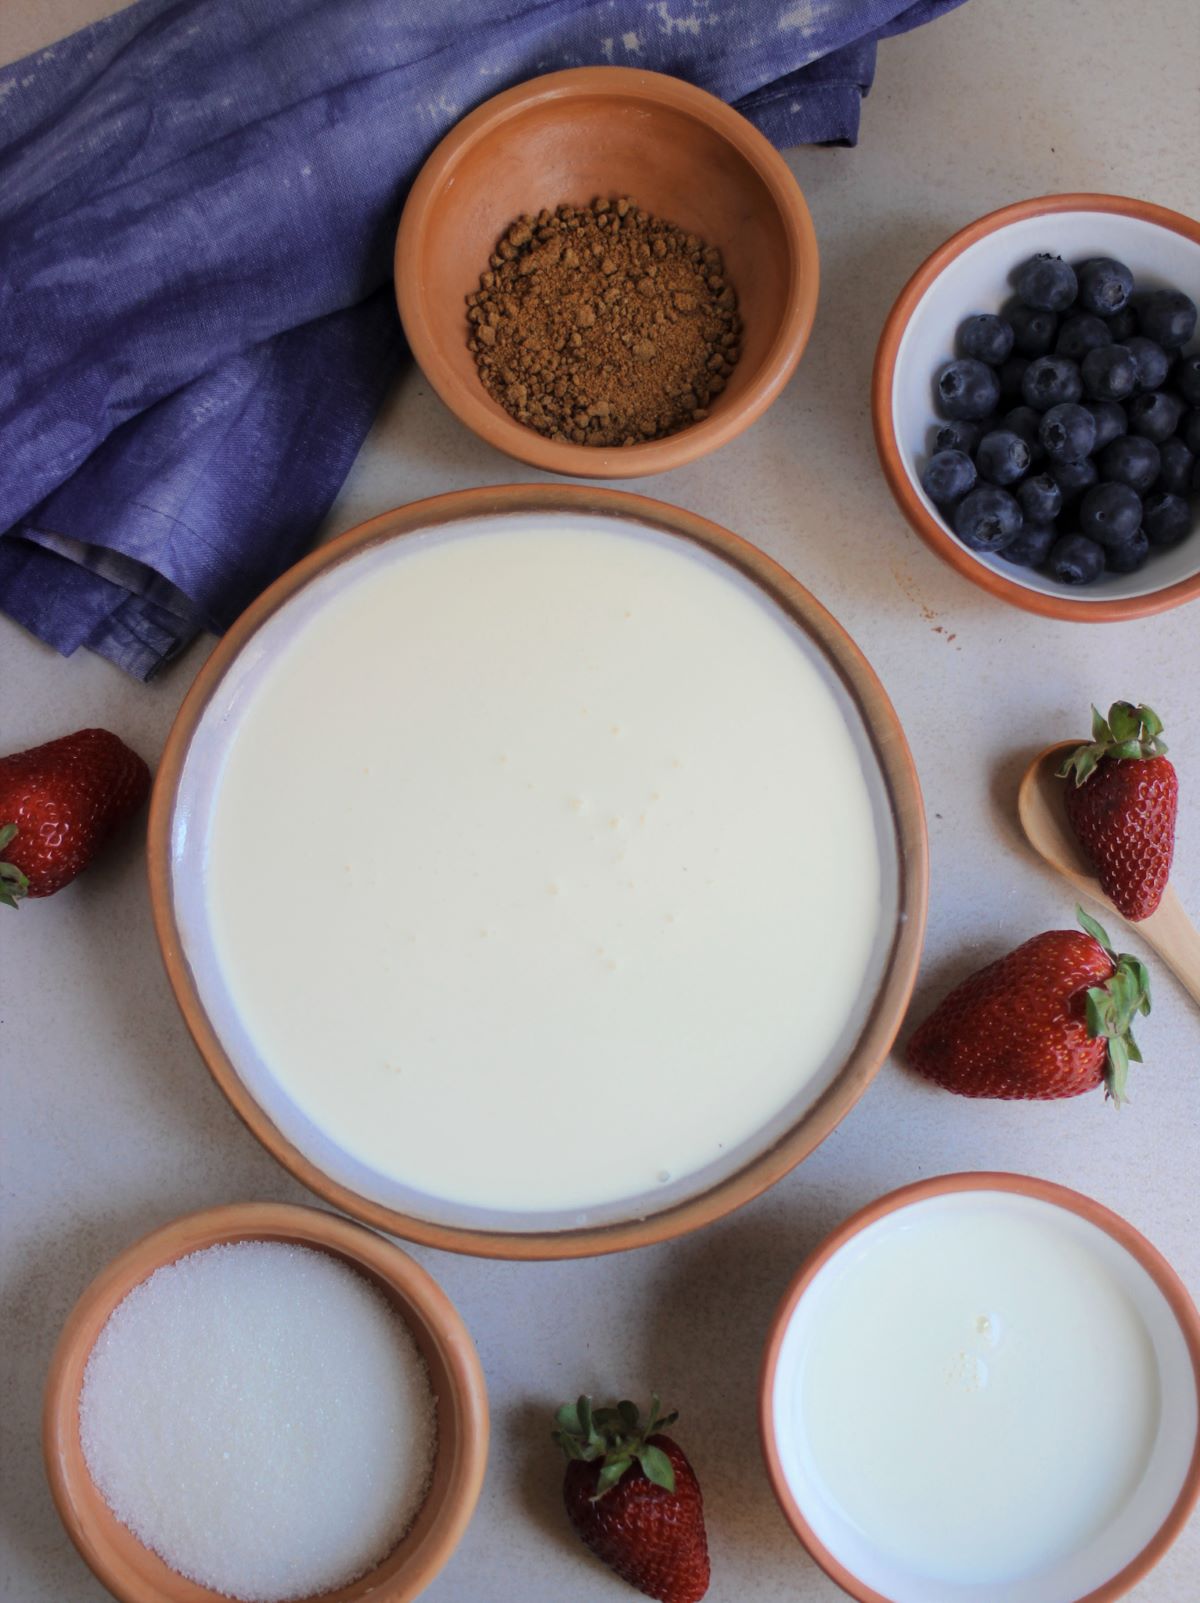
(984,1388)
(541,871)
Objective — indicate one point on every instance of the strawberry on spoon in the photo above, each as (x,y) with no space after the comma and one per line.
(1052,1019)
(1122,806)
(634,1499)
(59,803)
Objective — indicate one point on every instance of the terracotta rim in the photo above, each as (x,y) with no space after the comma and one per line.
(903,795)
(462,1410)
(657,456)
(1151,1260)
(888,447)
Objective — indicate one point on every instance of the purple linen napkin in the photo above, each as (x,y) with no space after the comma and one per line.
(197,205)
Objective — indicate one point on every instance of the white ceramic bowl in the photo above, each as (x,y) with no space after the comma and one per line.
(971,273)
(1086,1551)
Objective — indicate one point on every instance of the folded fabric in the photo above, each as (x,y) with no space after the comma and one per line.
(197,204)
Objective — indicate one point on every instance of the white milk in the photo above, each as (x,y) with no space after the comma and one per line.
(969,1403)
(542,868)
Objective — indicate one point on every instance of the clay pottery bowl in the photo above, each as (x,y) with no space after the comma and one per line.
(1104,1559)
(607,132)
(134,1574)
(185,798)
(971,273)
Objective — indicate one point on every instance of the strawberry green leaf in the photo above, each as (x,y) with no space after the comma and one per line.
(1123,721)
(657,1467)
(583,1410)
(1097,931)
(613,1469)
(1128,732)
(13,883)
(628,1415)
(1117,1075)
(567,1418)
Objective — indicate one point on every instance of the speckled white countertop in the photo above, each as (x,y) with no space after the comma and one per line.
(111,1125)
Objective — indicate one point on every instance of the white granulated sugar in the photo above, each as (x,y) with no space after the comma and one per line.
(260,1416)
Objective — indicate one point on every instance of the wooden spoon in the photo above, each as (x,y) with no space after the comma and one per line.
(1039,801)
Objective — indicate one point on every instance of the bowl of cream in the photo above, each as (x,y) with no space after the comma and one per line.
(541,871)
(982,1389)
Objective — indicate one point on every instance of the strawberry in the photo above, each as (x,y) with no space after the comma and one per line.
(1122,806)
(634,1499)
(58,804)
(1052,1019)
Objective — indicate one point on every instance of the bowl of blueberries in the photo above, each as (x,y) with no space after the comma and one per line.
(1036,403)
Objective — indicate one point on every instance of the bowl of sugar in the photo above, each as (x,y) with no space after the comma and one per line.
(540,871)
(984,1386)
(267,1403)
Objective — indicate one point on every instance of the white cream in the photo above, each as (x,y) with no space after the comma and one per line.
(542,868)
(969,1403)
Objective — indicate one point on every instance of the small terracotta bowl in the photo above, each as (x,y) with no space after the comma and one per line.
(571,137)
(970,273)
(1103,1554)
(131,1572)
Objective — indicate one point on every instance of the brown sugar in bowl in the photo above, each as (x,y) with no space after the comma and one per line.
(604,132)
(134,1574)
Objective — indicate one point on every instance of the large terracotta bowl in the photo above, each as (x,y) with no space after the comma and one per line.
(132,1572)
(571,137)
(970,273)
(1099,1570)
(182,802)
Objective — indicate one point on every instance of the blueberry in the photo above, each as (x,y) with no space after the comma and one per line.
(1189,430)
(1111,421)
(1010,374)
(1068,433)
(959,435)
(986,337)
(948,476)
(1080,334)
(1166,518)
(1155,416)
(1049,381)
(1030,548)
(1175,474)
(1023,420)
(1168,316)
(1033,332)
(1040,499)
(1152,362)
(1046,283)
(1124,324)
(1127,558)
(1109,373)
(988,519)
(1110,514)
(1104,285)
(1073,478)
(968,388)
(1003,457)
(1131,461)
(1076,560)
(1187,378)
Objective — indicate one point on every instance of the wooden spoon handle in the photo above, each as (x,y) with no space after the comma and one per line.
(1176,940)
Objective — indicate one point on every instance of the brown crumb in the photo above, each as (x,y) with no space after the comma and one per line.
(603,325)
